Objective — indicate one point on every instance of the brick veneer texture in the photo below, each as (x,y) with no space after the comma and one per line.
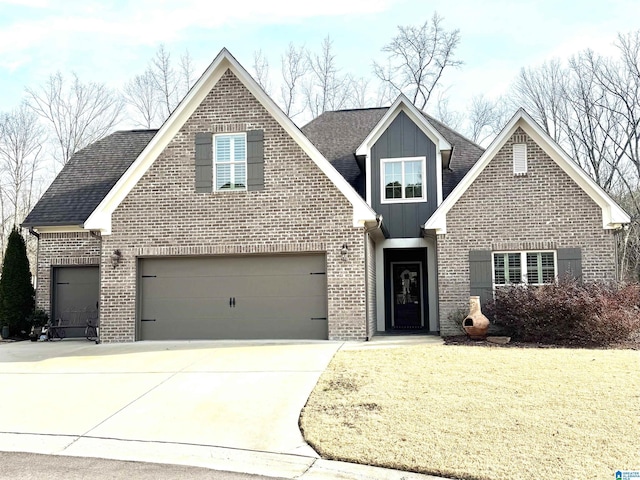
(299,210)
(543,209)
(62,249)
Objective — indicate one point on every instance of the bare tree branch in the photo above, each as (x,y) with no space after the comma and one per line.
(261,70)
(164,78)
(294,66)
(417,58)
(326,89)
(21,138)
(140,92)
(77,113)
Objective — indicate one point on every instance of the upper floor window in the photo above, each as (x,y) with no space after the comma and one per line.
(230,162)
(532,268)
(403,179)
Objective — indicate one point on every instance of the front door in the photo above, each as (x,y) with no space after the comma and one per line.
(406,295)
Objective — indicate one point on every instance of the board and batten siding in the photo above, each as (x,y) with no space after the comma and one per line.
(404,138)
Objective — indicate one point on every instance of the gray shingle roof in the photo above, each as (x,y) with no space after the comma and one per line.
(91,173)
(87,178)
(338,134)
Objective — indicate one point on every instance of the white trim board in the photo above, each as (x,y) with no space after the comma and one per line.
(430,276)
(100,218)
(402,104)
(613,216)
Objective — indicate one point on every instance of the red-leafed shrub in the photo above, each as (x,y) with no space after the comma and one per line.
(568,312)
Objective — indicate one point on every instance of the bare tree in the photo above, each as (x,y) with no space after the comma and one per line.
(154,94)
(359,97)
(326,89)
(77,113)
(261,70)
(416,59)
(541,91)
(141,94)
(445,114)
(187,75)
(21,137)
(294,67)
(165,81)
(485,118)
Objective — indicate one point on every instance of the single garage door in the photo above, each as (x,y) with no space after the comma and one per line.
(253,297)
(76,291)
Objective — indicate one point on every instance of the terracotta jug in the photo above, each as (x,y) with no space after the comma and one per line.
(475,324)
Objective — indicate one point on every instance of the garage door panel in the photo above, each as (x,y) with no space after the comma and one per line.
(233,266)
(178,308)
(75,296)
(280,296)
(184,287)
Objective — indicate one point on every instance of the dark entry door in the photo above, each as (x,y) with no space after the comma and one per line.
(76,294)
(406,297)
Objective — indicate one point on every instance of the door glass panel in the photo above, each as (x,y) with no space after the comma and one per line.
(407,294)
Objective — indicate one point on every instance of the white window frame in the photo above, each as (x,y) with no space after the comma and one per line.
(402,160)
(523,267)
(519,159)
(232,163)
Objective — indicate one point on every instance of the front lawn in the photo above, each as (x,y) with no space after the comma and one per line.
(480,413)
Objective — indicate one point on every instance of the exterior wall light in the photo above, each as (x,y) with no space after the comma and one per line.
(115,258)
(344,251)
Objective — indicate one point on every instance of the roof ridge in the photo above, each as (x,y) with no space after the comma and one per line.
(354,109)
(138,130)
(431,118)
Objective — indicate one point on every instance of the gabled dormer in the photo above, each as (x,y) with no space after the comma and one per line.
(403,160)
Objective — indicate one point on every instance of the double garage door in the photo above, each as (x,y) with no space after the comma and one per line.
(254,297)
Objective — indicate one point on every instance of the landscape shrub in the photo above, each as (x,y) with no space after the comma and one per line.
(16,290)
(568,312)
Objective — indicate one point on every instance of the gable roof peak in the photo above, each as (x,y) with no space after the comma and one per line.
(402,103)
(100,218)
(613,216)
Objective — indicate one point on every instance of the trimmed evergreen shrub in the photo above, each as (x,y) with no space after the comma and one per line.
(16,290)
(568,312)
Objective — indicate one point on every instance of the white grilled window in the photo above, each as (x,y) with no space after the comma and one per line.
(520,159)
(532,268)
(230,162)
(403,179)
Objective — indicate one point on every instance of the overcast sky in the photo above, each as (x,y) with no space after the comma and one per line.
(112,40)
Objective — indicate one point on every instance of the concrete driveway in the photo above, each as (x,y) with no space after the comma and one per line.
(77,398)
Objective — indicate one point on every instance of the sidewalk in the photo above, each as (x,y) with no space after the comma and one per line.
(277,465)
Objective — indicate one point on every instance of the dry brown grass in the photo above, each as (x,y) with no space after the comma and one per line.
(480,413)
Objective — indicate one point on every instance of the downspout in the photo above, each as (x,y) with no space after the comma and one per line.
(377,226)
(37,235)
(97,235)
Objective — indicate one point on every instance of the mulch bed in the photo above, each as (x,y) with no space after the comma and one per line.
(464,340)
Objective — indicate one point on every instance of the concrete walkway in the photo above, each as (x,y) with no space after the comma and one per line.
(223,405)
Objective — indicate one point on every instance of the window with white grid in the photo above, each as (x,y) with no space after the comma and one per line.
(531,268)
(403,179)
(230,162)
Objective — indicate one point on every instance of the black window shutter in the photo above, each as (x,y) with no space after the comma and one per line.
(255,160)
(204,162)
(480,275)
(569,263)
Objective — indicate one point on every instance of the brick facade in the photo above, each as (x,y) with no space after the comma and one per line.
(544,209)
(62,249)
(299,210)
